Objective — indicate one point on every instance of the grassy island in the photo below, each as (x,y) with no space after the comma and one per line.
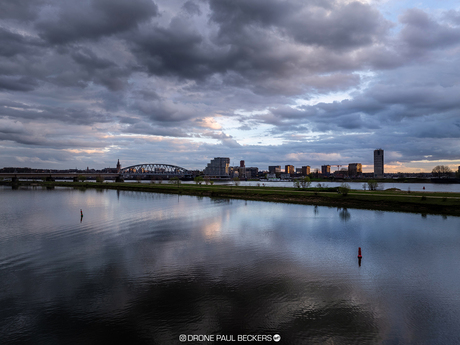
(388,200)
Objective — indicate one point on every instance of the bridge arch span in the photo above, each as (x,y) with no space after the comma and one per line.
(153,169)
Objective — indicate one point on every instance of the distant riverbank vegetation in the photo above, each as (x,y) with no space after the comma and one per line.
(388,200)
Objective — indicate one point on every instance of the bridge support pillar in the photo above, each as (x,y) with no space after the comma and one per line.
(50,179)
(119,179)
(14,179)
(75,179)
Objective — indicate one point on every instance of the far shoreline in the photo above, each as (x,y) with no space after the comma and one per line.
(437,203)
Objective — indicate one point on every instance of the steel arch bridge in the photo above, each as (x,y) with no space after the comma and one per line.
(153,169)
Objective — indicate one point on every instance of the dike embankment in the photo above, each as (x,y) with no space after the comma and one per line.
(389,200)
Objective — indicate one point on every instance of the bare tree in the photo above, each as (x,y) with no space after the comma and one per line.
(372,184)
(441,170)
(305,182)
(344,189)
(175,180)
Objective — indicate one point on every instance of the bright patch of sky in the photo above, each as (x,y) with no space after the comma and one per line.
(392,9)
(366,78)
(327,98)
(422,166)
(256,135)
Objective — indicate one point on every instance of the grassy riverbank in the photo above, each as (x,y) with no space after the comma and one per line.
(419,202)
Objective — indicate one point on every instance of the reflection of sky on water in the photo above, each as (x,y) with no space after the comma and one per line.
(272,266)
(413,187)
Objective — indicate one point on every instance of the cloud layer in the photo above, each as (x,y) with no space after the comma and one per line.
(268,81)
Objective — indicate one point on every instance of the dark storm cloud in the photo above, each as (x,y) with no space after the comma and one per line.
(11,127)
(149,129)
(244,53)
(24,61)
(89,59)
(20,9)
(176,50)
(14,43)
(254,48)
(192,8)
(319,23)
(61,143)
(33,132)
(347,27)
(71,21)
(260,36)
(16,110)
(453,17)
(99,70)
(17,84)
(380,105)
(164,111)
(421,32)
(149,95)
(15,73)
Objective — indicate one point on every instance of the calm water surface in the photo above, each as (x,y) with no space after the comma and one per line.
(413,187)
(144,268)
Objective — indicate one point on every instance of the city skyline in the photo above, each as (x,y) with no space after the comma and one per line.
(223,164)
(269,82)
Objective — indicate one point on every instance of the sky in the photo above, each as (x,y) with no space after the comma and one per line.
(272,82)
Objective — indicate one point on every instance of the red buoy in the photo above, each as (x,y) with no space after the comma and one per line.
(359,253)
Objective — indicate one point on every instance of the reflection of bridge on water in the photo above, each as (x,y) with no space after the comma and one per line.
(154,170)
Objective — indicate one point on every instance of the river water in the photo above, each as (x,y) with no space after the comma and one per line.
(146,268)
(413,187)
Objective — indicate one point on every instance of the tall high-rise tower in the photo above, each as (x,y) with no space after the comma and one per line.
(378,163)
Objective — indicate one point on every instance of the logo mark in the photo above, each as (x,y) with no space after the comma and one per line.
(276,338)
(182,338)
